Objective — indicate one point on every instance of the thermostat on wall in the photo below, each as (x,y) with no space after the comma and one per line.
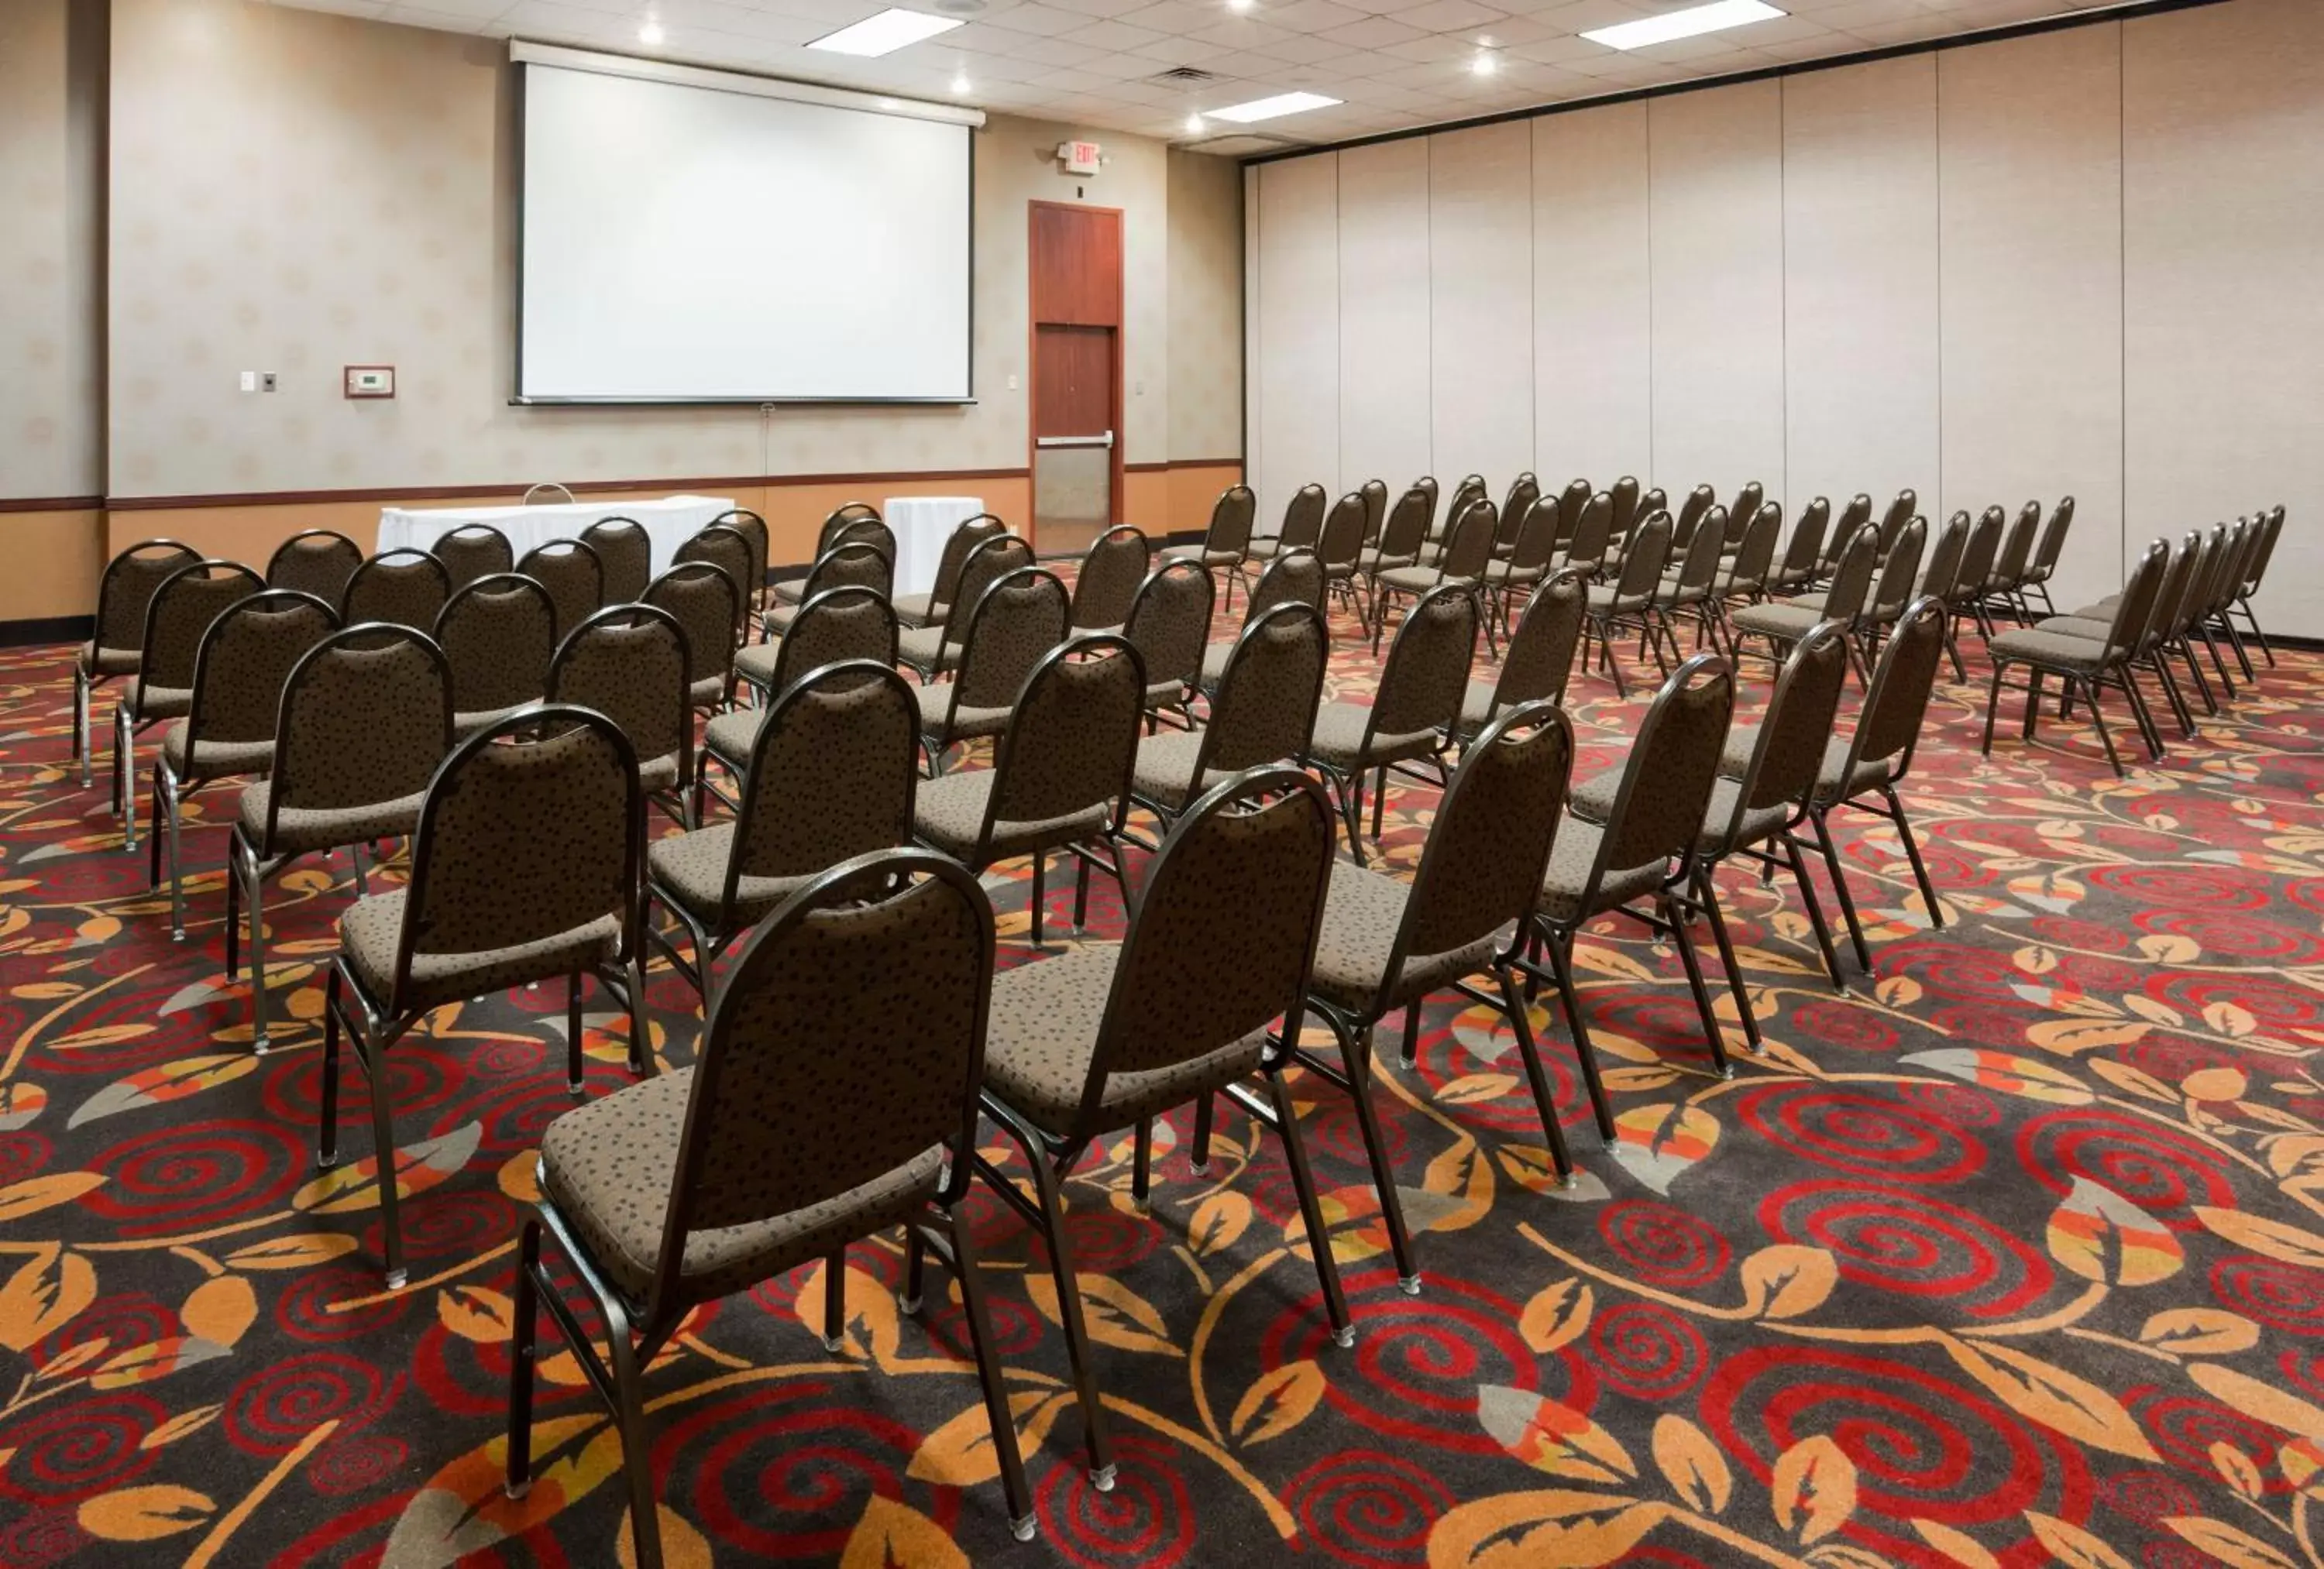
(371,381)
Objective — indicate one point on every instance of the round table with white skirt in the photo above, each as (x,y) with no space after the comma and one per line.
(921,525)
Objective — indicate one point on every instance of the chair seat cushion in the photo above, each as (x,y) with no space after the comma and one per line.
(935,699)
(1263,549)
(1786,621)
(1370,560)
(1204,558)
(215,759)
(656,775)
(1569,861)
(790,591)
(1870,772)
(1502,574)
(468,723)
(1476,707)
(368,929)
(1338,739)
(96,661)
(1361,916)
(755,662)
(917,610)
(729,737)
(1411,580)
(2051,650)
(155,703)
(1043,1038)
(922,649)
(691,868)
(1759,824)
(2077,626)
(608,1166)
(948,812)
(1215,665)
(709,690)
(1164,770)
(299,829)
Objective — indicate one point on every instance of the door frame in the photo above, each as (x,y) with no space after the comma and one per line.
(1033,367)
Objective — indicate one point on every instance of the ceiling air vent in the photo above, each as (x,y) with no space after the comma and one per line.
(1185,76)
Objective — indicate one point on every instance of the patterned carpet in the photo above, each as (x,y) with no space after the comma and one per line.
(2015,1257)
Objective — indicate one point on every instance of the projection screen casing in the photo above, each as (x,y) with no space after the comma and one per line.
(687,244)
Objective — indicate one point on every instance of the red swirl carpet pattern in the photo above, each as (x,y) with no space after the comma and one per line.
(2014,1256)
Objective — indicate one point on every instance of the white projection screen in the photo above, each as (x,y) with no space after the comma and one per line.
(685,242)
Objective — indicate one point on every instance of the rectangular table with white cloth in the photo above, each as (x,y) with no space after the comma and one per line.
(669,522)
(921,525)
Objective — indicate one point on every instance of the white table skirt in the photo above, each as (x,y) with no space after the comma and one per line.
(921,525)
(668,522)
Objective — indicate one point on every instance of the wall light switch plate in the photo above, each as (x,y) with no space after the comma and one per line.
(371,381)
(250,381)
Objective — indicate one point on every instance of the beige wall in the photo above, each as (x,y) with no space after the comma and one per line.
(1205,264)
(2078,261)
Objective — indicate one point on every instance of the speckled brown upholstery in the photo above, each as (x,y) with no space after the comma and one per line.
(932,608)
(576,580)
(1169,625)
(842,623)
(1114,565)
(850,564)
(1263,711)
(405,587)
(499,633)
(628,663)
(729,549)
(1303,526)
(1539,658)
(1229,535)
(317,561)
(625,554)
(935,648)
(477,550)
(1016,621)
(705,598)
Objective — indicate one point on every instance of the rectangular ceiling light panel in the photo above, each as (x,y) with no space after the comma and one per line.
(1270,109)
(1691,22)
(885,33)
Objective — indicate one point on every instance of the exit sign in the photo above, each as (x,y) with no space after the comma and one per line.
(1079,157)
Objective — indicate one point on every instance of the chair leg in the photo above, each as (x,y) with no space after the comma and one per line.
(2202,682)
(1408,1048)
(1544,1101)
(523,1336)
(1198,1157)
(637,1454)
(1814,907)
(988,1372)
(1379,800)
(1992,704)
(1311,1207)
(80,720)
(327,1134)
(1081,895)
(1040,868)
(1912,854)
(124,804)
(2160,664)
(2033,676)
(1142,1165)
(1675,912)
(1069,1314)
(1560,961)
(640,1029)
(1706,891)
(2097,718)
(2148,732)
(1840,888)
(165,810)
(834,1301)
(256,893)
(573,1067)
(383,1127)
(2250,616)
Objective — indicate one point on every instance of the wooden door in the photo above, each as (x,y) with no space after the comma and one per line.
(1075,281)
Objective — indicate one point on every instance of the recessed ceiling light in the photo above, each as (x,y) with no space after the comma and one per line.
(1195,126)
(960,83)
(885,33)
(1484,64)
(650,33)
(1268,109)
(1688,23)
(1239,4)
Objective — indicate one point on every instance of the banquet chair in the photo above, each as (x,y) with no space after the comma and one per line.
(1520,568)
(1780,623)
(1516,507)
(1341,543)
(1571,500)
(753,530)
(124,592)
(405,587)
(1996,593)
(931,650)
(854,524)
(1980,561)
(573,576)
(1386,945)
(829,774)
(703,1182)
(550,488)
(1111,570)
(177,614)
(366,719)
(498,634)
(2178,604)
(1625,535)
(1750,563)
(1892,591)
(2044,565)
(1948,570)
(931,608)
(1005,634)
(1303,525)
(1603,863)
(1691,589)
(1627,514)
(1627,603)
(472,551)
(1411,717)
(1469,491)
(1468,550)
(728,549)
(1060,774)
(703,598)
(1537,661)
(1108,1037)
(853,564)
(1374,495)
(1295,577)
(1592,535)
(1804,551)
(525,867)
(1427,485)
(1853,517)
(853,623)
(1743,512)
(2217,591)
(2256,572)
(1903,508)
(1169,624)
(315,561)
(628,663)
(1399,543)
(1262,713)
(625,552)
(1698,500)
(1227,537)
(227,731)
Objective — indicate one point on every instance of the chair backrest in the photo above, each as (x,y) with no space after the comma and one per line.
(965,536)
(1571,500)
(2175,602)
(315,561)
(1406,529)
(1805,547)
(2053,541)
(851,622)
(705,601)
(1897,572)
(1978,558)
(2016,554)
(1945,558)
(1469,541)
(987,563)
(1303,519)
(1857,515)
(1231,520)
(2220,591)
(530,829)
(625,556)
(850,564)
(2212,546)
(126,587)
(1072,738)
(753,530)
(1427,485)
(1471,488)
(1643,563)
(1889,723)
(1116,563)
(180,610)
(563,493)
(1658,806)
(1170,622)
(1530,547)
(366,717)
(1698,569)
(1294,577)
(1625,497)
(1698,501)
(1221,936)
(1788,754)
(1488,847)
(1748,502)
(1010,626)
(246,655)
(1427,674)
(1265,710)
(835,521)
(472,551)
(833,773)
(497,634)
(1342,538)
(1374,495)
(1755,550)
(1592,535)
(1902,509)
(1516,507)
(573,576)
(851,992)
(2256,572)
(1538,659)
(406,587)
(728,549)
(628,663)
(1851,579)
